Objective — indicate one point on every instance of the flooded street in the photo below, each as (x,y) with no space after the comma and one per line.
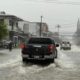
(40,40)
(66,67)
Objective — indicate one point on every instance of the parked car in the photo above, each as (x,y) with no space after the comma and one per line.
(1,44)
(65,45)
(6,44)
(39,48)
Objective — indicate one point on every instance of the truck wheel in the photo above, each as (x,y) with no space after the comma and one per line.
(52,60)
(23,59)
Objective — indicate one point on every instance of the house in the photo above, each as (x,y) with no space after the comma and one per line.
(24,26)
(34,28)
(20,29)
(12,25)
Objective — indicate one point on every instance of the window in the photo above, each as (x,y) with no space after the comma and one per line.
(40,41)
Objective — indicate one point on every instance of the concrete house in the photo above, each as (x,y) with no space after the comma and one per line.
(34,28)
(24,26)
(12,25)
(19,30)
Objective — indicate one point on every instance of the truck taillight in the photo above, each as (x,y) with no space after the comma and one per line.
(25,46)
(22,46)
(50,48)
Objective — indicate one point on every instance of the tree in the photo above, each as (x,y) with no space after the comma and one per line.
(3,30)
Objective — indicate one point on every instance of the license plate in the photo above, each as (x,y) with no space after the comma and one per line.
(37,45)
(36,57)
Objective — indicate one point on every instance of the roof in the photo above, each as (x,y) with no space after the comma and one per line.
(11,16)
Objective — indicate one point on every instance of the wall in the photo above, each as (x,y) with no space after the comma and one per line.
(33,28)
(24,26)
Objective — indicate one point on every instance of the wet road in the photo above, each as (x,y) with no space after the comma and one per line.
(66,67)
(8,58)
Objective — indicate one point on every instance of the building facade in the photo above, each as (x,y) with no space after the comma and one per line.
(19,29)
(11,22)
(34,28)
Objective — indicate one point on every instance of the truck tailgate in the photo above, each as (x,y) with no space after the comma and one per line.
(37,49)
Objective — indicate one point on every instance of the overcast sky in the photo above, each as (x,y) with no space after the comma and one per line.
(63,12)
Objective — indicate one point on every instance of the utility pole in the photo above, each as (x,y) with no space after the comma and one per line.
(58,26)
(41,25)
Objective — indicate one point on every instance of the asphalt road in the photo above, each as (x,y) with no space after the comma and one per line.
(66,67)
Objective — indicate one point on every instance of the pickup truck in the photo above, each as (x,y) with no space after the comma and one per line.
(39,48)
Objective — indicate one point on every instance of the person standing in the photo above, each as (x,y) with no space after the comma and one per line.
(10,46)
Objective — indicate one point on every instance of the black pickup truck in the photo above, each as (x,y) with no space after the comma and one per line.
(39,48)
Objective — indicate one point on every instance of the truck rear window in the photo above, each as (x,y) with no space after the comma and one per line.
(40,41)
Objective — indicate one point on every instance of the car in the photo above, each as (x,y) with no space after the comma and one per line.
(65,45)
(6,44)
(1,44)
(39,48)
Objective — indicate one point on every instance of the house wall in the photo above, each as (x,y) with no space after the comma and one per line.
(27,27)
(9,24)
(34,28)
(24,26)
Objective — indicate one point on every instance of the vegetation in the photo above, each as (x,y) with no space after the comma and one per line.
(3,30)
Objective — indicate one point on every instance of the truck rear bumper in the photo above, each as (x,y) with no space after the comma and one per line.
(38,57)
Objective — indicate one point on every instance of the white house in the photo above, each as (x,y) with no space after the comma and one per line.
(12,25)
(24,26)
(34,28)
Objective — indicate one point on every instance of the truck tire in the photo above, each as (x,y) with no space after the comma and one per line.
(52,60)
(23,59)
